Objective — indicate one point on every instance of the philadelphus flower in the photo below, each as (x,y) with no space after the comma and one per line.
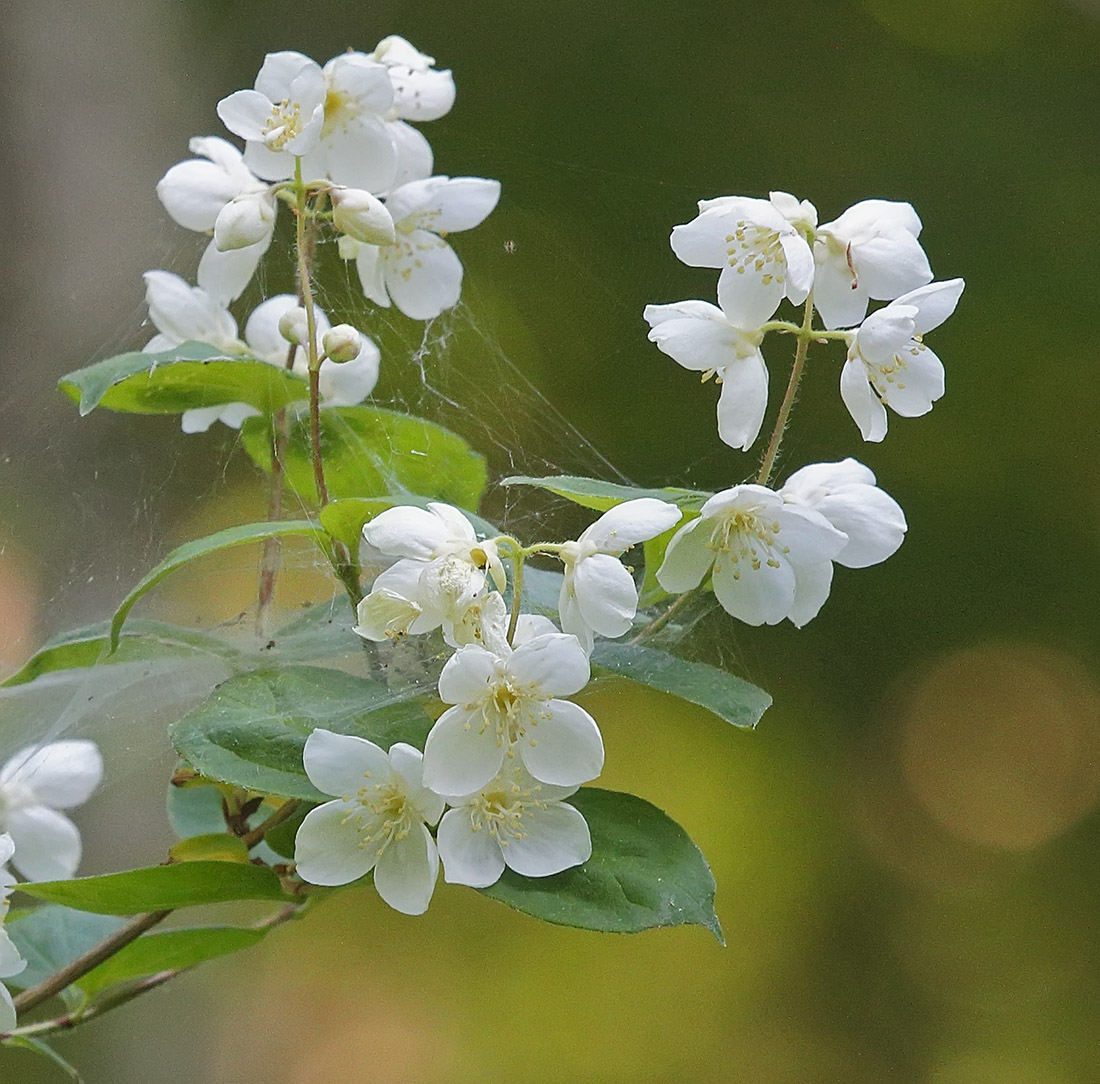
(361,216)
(770,560)
(378,821)
(419,91)
(598,593)
(870,251)
(11,963)
(506,706)
(888,363)
(197,194)
(282,117)
(846,495)
(699,336)
(763,255)
(36,783)
(512,821)
(420,271)
(443,570)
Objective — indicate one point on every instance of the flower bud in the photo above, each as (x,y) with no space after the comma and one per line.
(245,220)
(342,343)
(358,214)
(294,326)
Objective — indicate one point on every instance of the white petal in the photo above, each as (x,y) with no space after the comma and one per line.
(469,857)
(339,764)
(743,401)
(199,419)
(279,71)
(327,847)
(688,557)
(414,153)
(463,203)
(47,843)
(61,774)
(422,274)
(225,275)
(917,382)
(407,871)
(462,753)
(369,266)
(809,484)
(890,264)
(562,745)
(467,678)
(362,81)
(885,332)
(184,312)
(7,849)
(569,614)
(408,762)
(757,596)
(872,216)
(11,962)
(554,665)
(234,414)
(631,522)
(800,266)
(8,1021)
(268,164)
(530,626)
(606,595)
(812,583)
(422,95)
(862,402)
(406,531)
(350,383)
(872,520)
(362,154)
(459,528)
(193,193)
(806,535)
(934,303)
(746,298)
(245,113)
(262,333)
(838,297)
(703,241)
(556,838)
(695,334)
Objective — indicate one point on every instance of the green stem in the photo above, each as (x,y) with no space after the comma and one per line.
(663,619)
(250,839)
(517,592)
(805,334)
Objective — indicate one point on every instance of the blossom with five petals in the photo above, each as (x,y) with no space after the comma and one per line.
(378,821)
(700,337)
(763,256)
(514,821)
(888,362)
(281,119)
(846,495)
(11,962)
(196,193)
(35,784)
(507,706)
(420,272)
(870,251)
(598,594)
(769,560)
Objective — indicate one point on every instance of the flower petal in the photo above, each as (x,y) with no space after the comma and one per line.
(352,381)
(245,113)
(562,745)
(339,764)
(890,264)
(631,522)
(812,583)
(467,678)
(556,838)
(694,334)
(225,275)
(553,665)
(916,384)
(862,402)
(748,299)
(606,594)
(8,1021)
(934,303)
(688,557)
(838,296)
(759,595)
(800,266)
(184,312)
(422,274)
(407,871)
(872,520)
(421,95)
(406,531)
(743,401)
(327,847)
(414,153)
(362,154)
(469,857)
(193,192)
(462,752)
(463,203)
(199,419)
(61,774)
(47,843)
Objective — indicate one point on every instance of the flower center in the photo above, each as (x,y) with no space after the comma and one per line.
(747,536)
(883,374)
(506,711)
(284,123)
(384,815)
(500,812)
(756,248)
(340,109)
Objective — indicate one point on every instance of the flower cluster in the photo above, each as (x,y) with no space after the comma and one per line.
(337,144)
(11,962)
(510,748)
(773,249)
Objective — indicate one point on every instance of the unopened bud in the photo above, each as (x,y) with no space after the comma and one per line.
(245,220)
(342,343)
(294,326)
(362,216)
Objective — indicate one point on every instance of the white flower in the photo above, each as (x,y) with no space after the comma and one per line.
(846,495)
(184,313)
(420,92)
(888,362)
(420,271)
(512,821)
(196,192)
(11,963)
(870,251)
(770,560)
(245,221)
(698,336)
(34,784)
(597,592)
(763,256)
(281,118)
(360,215)
(379,820)
(506,706)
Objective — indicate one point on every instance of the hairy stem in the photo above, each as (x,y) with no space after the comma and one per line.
(805,334)
(517,592)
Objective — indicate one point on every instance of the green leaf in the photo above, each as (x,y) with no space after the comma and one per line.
(644,872)
(320,632)
(50,938)
(158,888)
(281,838)
(187,376)
(169,950)
(85,647)
(195,810)
(730,698)
(370,452)
(253,728)
(37,1046)
(210,847)
(600,496)
(200,547)
(344,520)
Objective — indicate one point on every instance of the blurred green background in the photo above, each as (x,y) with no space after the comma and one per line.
(906,848)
